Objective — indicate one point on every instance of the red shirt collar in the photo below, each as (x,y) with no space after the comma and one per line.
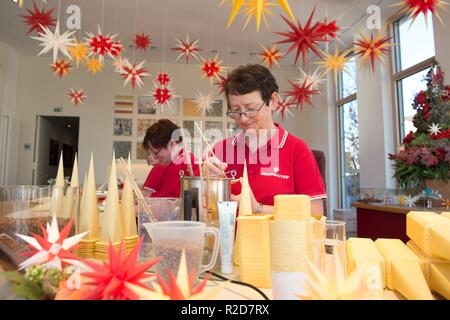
(277,141)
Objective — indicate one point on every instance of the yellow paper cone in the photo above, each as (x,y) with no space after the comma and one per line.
(111,221)
(83,193)
(127,207)
(56,204)
(89,220)
(245,202)
(69,202)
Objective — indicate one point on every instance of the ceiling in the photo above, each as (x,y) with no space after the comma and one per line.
(166,20)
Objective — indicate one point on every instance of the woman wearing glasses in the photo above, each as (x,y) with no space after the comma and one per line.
(277,162)
(163,144)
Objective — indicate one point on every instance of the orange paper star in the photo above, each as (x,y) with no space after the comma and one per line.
(374,48)
(271,55)
(335,62)
(415,7)
(446,203)
(61,67)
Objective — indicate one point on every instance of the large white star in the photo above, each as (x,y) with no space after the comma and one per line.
(434,129)
(119,62)
(316,78)
(204,102)
(55,41)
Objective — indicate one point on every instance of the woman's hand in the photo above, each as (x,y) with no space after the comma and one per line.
(215,166)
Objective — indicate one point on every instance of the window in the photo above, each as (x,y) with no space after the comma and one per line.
(414,55)
(347,106)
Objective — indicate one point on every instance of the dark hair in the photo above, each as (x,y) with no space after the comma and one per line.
(251,77)
(160,133)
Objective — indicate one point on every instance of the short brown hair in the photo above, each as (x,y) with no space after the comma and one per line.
(249,78)
(160,133)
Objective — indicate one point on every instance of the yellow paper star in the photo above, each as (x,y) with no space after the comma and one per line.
(182,289)
(401,200)
(94,65)
(253,10)
(258,6)
(79,51)
(334,62)
(21,3)
(373,48)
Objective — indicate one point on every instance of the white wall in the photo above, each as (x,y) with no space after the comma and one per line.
(40,91)
(441,38)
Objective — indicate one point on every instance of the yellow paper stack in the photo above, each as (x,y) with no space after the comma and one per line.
(446,214)
(430,240)
(89,215)
(363,252)
(128,209)
(403,270)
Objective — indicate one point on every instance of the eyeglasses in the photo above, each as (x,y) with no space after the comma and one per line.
(150,152)
(251,113)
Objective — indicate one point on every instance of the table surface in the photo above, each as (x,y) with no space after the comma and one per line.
(376,206)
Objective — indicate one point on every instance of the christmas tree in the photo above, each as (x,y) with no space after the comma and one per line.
(425,153)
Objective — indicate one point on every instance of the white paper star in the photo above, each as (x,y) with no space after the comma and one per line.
(204,102)
(410,201)
(434,129)
(55,41)
(187,49)
(134,73)
(119,62)
(316,78)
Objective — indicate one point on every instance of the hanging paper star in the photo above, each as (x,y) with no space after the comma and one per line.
(335,62)
(142,41)
(102,45)
(283,107)
(180,288)
(374,48)
(61,67)
(446,203)
(211,68)
(119,63)
(112,277)
(331,29)
(55,41)
(410,201)
(163,94)
(163,78)
(36,19)
(301,94)
(416,7)
(134,73)
(222,83)
(187,49)
(76,96)
(78,51)
(258,8)
(204,102)
(315,78)
(434,129)
(303,38)
(94,65)
(21,3)
(53,248)
(270,55)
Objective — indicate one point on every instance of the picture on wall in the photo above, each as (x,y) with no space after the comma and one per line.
(54,153)
(217,109)
(141,153)
(123,127)
(143,125)
(145,105)
(123,104)
(122,149)
(173,109)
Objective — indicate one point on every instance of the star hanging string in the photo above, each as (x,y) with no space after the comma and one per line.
(300,94)
(252,9)
(180,288)
(315,78)
(335,62)
(374,48)
(187,49)
(112,277)
(303,38)
(79,51)
(258,6)
(53,248)
(222,83)
(36,19)
(415,7)
(270,55)
(211,68)
(134,73)
(163,95)
(142,41)
(283,107)
(163,78)
(204,102)
(21,3)
(76,96)
(104,45)
(55,41)
(94,65)
(61,67)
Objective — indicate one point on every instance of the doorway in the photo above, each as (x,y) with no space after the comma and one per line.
(54,135)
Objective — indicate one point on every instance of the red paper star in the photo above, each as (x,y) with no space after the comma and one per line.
(303,38)
(331,29)
(211,68)
(162,95)
(376,47)
(134,73)
(283,106)
(271,55)
(163,78)
(222,83)
(36,19)
(173,290)
(187,49)
(76,96)
(102,45)
(110,279)
(416,7)
(142,41)
(301,93)
(61,67)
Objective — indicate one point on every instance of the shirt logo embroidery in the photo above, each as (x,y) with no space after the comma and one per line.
(276,169)
(276,175)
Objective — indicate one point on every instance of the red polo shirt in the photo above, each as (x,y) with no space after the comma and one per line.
(284,165)
(164,180)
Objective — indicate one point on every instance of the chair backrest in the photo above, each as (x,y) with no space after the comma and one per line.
(321,163)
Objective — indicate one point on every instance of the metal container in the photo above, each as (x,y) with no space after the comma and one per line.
(218,189)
